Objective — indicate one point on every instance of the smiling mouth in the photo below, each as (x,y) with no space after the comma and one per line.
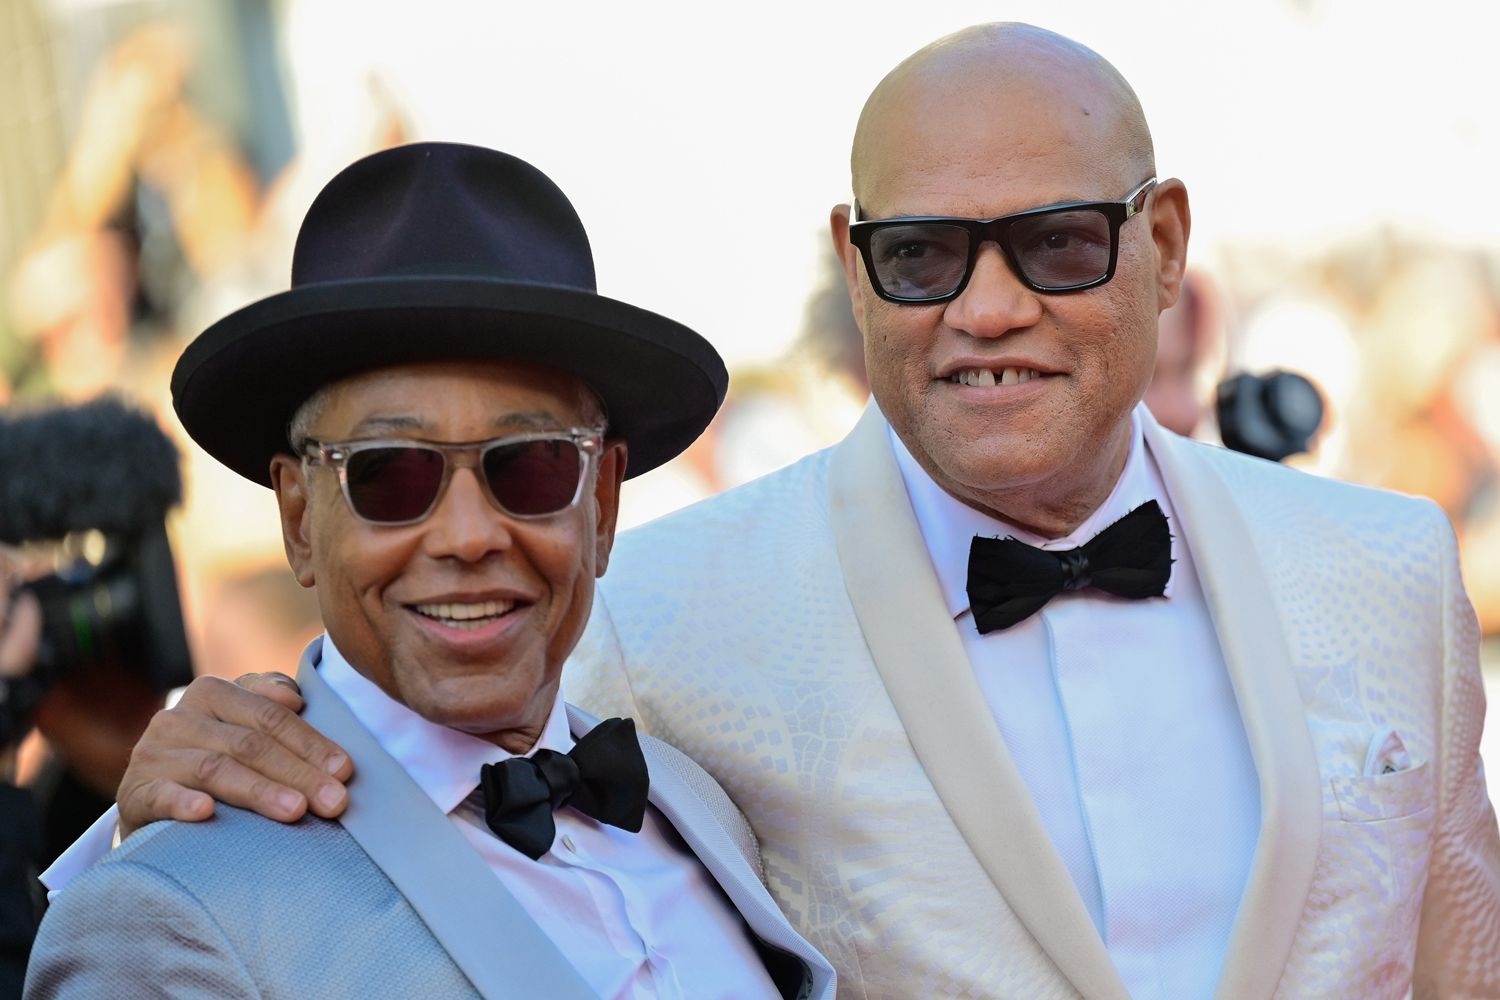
(465,617)
(983,377)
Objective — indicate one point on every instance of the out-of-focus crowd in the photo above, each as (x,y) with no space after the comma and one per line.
(168,195)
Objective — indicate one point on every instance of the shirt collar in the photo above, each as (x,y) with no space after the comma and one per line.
(948,525)
(443,762)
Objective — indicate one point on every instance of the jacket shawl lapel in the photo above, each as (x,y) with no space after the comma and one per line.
(729,858)
(455,893)
(905,622)
(1253,639)
(921,660)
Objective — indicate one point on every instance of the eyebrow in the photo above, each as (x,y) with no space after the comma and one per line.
(524,420)
(530,420)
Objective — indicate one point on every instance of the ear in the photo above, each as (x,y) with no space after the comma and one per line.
(1170,223)
(293,500)
(848,254)
(607,500)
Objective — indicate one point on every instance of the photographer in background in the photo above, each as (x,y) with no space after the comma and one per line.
(91,634)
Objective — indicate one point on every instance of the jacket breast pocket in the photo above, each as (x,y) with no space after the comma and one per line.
(1375,797)
(1373,858)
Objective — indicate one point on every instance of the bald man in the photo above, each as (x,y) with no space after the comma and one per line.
(1023,695)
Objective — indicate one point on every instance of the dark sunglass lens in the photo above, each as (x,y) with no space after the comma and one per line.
(533,477)
(1062,249)
(919,260)
(393,484)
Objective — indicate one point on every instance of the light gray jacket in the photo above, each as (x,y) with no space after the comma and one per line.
(387,901)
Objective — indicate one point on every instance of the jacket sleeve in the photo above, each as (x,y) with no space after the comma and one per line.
(1458,946)
(127,930)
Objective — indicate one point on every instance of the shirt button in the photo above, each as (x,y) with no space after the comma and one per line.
(567,842)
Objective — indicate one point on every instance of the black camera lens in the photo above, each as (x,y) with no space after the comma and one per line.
(91,614)
(1272,416)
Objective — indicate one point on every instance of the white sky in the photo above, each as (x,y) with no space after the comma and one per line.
(703,143)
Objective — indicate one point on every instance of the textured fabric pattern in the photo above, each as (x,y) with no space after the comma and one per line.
(239,906)
(741,839)
(772,692)
(718,834)
(1406,894)
(727,630)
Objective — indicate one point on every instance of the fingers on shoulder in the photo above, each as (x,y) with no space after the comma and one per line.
(278,687)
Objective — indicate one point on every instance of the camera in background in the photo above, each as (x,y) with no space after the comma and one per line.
(1272,416)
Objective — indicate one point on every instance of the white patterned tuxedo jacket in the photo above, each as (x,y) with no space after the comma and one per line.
(792,638)
(389,900)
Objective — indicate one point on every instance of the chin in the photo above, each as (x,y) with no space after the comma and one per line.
(476,704)
(1001,463)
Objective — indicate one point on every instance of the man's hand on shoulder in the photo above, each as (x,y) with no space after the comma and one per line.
(242,744)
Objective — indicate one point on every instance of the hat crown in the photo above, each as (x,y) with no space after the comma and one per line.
(441,252)
(443,210)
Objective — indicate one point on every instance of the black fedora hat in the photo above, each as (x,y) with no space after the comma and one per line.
(441,251)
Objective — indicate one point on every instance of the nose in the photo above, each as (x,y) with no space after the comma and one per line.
(465,525)
(994,302)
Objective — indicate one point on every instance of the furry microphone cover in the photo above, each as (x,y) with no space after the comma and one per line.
(99,465)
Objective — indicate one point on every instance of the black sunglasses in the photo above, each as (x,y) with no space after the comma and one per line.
(1060,248)
(400,481)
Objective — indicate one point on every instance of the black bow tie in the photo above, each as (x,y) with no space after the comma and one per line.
(1010,580)
(603,776)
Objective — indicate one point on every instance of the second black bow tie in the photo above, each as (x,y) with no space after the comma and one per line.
(604,776)
(1010,580)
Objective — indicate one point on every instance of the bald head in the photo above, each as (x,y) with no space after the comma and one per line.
(996,121)
(974,79)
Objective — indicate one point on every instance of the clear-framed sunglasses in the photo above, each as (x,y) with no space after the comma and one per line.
(400,481)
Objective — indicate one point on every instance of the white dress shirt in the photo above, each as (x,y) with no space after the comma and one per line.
(636,913)
(1121,718)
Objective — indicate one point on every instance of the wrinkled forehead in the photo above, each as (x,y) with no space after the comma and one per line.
(498,394)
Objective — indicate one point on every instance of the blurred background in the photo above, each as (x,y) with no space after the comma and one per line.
(156,157)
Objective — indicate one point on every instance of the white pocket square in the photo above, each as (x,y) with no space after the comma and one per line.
(1387,754)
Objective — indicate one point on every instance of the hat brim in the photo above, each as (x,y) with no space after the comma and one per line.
(237,385)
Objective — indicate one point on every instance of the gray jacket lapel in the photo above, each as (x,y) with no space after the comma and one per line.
(726,849)
(460,899)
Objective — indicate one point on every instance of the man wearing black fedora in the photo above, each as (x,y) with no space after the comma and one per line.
(445,409)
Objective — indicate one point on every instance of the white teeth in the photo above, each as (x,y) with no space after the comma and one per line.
(454,614)
(985,377)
